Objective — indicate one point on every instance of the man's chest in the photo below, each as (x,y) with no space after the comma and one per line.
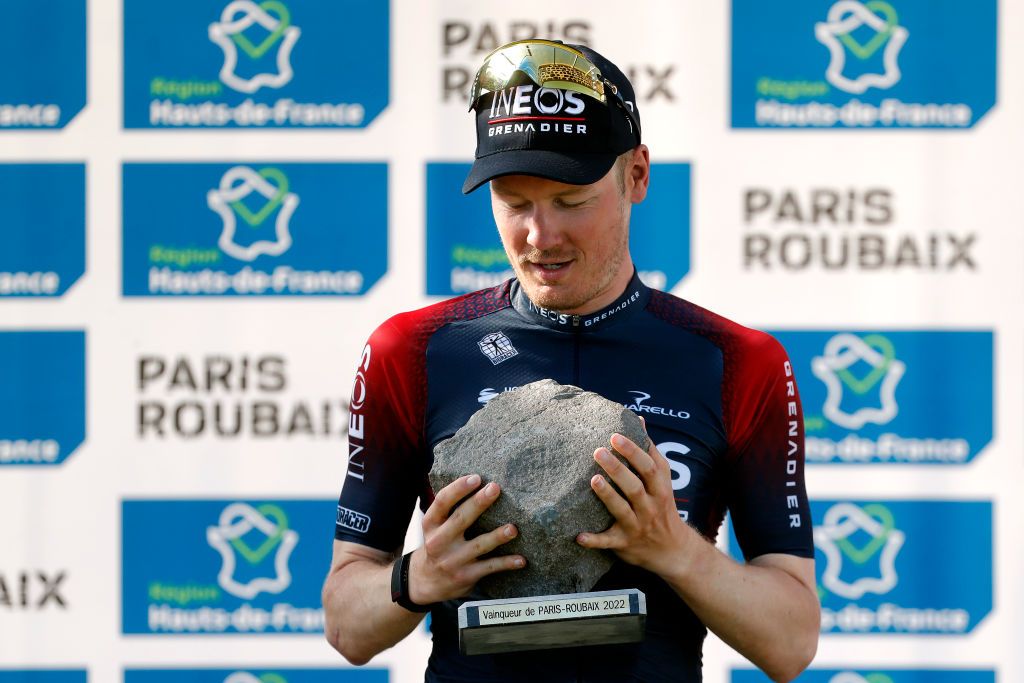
(673,383)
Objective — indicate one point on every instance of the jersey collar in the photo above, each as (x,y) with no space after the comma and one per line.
(632,301)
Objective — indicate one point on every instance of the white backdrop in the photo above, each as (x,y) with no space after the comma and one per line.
(68,518)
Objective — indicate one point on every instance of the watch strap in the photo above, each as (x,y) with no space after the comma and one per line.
(400,585)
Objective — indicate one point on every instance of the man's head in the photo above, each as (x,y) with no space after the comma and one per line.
(551,110)
(569,244)
(558,136)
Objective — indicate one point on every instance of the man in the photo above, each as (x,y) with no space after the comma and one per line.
(558,137)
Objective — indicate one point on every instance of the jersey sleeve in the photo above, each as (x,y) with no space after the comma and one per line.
(385,440)
(766,495)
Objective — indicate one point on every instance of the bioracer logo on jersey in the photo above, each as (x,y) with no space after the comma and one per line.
(463,258)
(350,519)
(894,397)
(863,63)
(250,64)
(254,229)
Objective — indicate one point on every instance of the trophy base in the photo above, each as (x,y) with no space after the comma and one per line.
(544,622)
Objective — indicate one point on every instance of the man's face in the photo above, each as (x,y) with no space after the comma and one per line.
(568,244)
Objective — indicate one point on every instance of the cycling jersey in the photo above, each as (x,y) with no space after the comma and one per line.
(719,400)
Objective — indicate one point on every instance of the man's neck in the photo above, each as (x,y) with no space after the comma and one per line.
(631,296)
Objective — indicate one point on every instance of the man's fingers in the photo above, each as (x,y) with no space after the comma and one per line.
(496,564)
(638,458)
(659,458)
(485,543)
(606,540)
(446,499)
(627,481)
(463,516)
(616,504)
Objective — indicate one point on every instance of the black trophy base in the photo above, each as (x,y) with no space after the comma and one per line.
(545,622)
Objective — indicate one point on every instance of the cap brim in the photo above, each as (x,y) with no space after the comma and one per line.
(574,169)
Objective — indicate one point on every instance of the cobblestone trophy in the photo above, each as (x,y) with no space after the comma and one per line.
(537,443)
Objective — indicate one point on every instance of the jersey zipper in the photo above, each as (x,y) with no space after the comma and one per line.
(576,350)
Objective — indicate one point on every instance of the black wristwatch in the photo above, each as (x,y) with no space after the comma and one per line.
(400,586)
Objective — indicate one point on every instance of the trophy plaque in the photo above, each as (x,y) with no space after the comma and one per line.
(551,621)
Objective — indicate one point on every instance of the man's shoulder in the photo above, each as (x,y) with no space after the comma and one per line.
(419,324)
(728,335)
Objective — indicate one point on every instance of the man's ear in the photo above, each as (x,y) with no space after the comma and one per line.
(639,173)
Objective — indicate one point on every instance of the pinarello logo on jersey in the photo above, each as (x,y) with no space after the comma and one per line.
(638,406)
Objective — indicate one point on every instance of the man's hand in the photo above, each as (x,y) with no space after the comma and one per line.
(448,565)
(647,531)
(766,609)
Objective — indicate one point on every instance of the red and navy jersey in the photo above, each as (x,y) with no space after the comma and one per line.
(720,402)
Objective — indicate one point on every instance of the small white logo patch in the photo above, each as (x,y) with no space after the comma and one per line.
(497,347)
(638,406)
(489,393)
(350,519)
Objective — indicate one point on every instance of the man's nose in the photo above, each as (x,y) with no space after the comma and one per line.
(543,231)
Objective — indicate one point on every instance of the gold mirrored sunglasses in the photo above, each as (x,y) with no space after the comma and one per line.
(547,64)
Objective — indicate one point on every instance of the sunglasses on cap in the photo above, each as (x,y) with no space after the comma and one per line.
(547,64)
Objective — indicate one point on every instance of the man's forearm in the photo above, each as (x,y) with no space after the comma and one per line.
(360,619)
(760,609)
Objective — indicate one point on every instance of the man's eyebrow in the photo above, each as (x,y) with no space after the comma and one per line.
(580,189)
(503,191)
(508,192)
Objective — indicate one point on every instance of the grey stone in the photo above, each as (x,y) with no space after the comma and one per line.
(537,442)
